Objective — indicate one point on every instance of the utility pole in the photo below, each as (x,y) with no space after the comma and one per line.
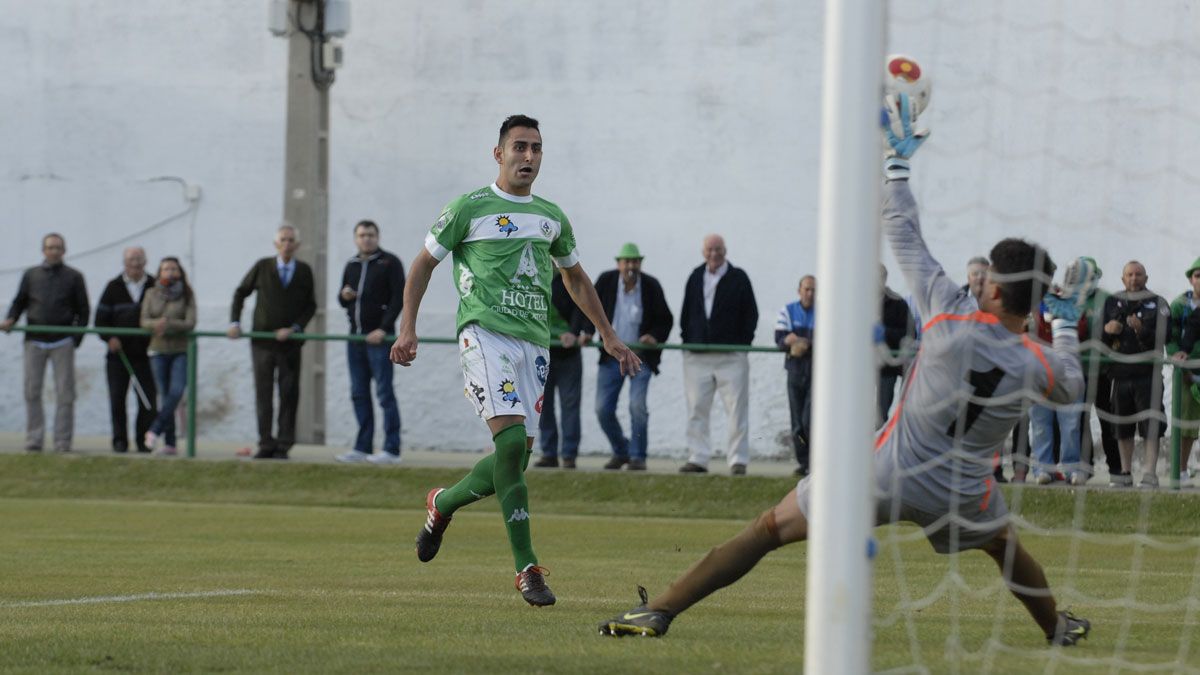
(306,179)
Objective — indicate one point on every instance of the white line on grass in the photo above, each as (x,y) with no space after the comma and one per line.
(130,598)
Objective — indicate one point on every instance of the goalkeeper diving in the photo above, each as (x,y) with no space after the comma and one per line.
(962,398)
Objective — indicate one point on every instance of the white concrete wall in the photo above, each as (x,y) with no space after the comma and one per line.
(1066,122)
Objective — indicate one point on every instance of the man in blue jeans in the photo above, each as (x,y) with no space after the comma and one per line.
(562,376)
(635,305)
(373,295)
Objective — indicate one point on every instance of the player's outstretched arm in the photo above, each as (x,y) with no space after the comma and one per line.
(404,349)
(933,291)
(580,287)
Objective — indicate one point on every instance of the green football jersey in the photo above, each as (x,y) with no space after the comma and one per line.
(503,245)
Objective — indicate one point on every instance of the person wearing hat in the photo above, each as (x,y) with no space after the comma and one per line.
(1183,315)
(637,308)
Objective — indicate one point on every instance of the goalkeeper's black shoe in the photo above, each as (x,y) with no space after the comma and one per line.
(532,583)
(640,620)
(1071,629)
(429,539)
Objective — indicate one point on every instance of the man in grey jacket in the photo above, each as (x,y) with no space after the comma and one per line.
(50,294)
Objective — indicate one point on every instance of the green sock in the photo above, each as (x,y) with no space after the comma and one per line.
(512,456)
(473,487)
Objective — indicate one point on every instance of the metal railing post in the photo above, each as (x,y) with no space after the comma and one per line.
(1176,419)
(191,395)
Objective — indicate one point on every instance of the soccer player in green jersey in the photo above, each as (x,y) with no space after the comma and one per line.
(504,241)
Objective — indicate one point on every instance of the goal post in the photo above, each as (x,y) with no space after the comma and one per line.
(839,589)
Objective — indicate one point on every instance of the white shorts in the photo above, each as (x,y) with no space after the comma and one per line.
(503,375)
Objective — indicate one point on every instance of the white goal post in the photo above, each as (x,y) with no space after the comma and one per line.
(838,606)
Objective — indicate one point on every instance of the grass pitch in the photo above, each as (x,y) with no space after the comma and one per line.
(137,566)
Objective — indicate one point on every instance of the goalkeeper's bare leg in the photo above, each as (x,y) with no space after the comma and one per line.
(1027,582)
(724,564)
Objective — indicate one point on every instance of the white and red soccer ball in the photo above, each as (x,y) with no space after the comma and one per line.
(903,75)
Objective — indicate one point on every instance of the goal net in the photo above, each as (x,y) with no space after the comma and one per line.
(1067,124)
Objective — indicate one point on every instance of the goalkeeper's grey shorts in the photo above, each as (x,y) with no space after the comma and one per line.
(949,529)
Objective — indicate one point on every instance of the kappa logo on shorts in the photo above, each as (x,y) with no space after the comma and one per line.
(543,369)
(508,392)
(476,391)
(518,514)
(506,225)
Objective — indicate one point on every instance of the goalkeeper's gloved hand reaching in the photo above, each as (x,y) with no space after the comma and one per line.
(897,118)
(1068,302)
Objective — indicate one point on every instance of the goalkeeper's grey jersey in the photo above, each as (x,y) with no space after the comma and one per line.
(967,386)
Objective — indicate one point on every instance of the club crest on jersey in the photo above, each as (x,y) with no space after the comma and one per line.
(543,369)
(508,392)
(441,223)
(545,228)
(506,225)
(538,406)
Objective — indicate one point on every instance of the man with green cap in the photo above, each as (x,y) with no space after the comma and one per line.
(637,308)
(1182,310)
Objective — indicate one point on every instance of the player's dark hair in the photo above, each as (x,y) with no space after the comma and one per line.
(516,121)
(368,224)
(1023,271)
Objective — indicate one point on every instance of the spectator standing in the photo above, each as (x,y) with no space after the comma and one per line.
(1136,322)
(169,312)
(373,295)
(793,334)
(1098,385)
(1042,416)
(50,294)
(565,377)
(637,308)
(718,308)
(1183,312)
(977,269)
(120,306)
(895,334)
(285,304)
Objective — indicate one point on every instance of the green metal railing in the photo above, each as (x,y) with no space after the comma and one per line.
(1177,388)
(193,352)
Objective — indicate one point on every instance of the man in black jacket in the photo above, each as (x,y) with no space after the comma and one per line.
(1137,321)
(286,303)
(718,308)
(51,294)
(895,325)
(373,294)
(563,377)
(635,305)
(120,306)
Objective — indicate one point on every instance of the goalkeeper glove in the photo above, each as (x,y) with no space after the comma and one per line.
(1079,278)
(899,114)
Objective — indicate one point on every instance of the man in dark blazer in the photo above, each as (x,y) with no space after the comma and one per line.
(635,305)
(120,306)
(718,308)
(286,303)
